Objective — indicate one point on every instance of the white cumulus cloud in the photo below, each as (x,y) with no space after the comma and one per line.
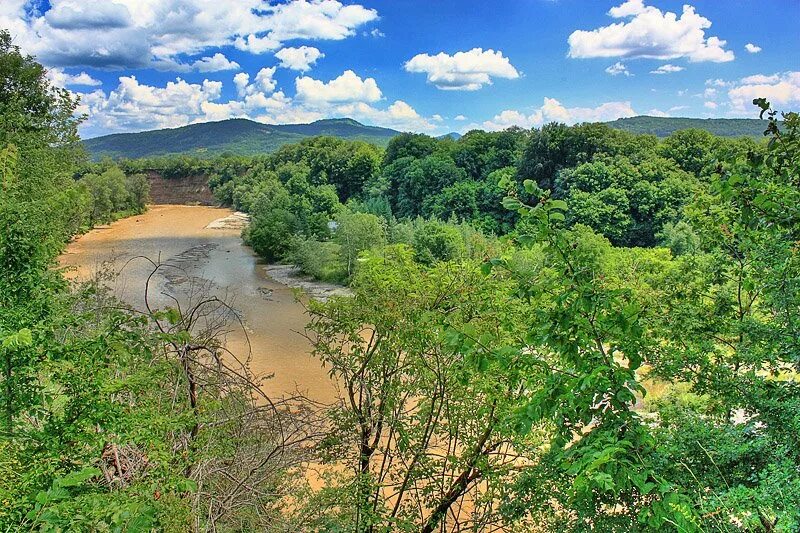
(782,90)
(348,87)
(667,69)
(63,79)
(301,58)
(647,32)
(124,34)
(464,71)
(133,106)
(617,69)
(753,49)
(215,63)
(554,111)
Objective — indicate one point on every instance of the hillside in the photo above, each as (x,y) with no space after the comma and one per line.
(240,136)
(664,126)
(246,137)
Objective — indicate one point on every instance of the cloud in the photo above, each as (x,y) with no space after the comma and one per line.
(650,33)
(301,58)
(348,87)
(376,33)
(460,117)
(618,68)
(86,14)
(553,111)
(215,63)
(62,79)
(782,90)
(123,34)
(463,71)
(753,49)
(667,69)
(133,106)
(657,113)
(710,105)
(263,83)
(718,83)
(398,115)
(678,108)
(760,79)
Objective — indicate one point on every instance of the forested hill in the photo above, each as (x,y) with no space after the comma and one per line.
(665,126)
(239,136)
(246,137)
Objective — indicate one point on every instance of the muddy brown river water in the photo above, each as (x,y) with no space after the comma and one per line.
(212,259)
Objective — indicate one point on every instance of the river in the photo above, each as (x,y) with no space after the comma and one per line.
(203,255)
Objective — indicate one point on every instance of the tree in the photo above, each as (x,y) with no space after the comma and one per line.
(420,425)
(437,241)
(356,232)
(415,145)
(691,149)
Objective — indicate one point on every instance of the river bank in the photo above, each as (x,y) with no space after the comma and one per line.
(201,251)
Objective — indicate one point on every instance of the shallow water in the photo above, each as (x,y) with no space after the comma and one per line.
(212,260)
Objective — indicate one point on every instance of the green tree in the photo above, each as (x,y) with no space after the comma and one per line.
(356,232)
(437,241)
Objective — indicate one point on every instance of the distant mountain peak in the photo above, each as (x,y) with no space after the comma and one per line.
(236,135)
(344,120)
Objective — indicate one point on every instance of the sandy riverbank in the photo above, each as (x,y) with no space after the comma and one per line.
(202,253)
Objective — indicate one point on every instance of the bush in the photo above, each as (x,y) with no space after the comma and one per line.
(356,232)
(270,233)
(437,241)
(320,260)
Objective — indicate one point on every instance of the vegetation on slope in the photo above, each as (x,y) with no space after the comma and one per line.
(666,126)
(236,136)
(245,137)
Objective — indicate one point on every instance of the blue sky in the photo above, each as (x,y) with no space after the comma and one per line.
(429,66)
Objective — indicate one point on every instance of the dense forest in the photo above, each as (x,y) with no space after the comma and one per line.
(569,328)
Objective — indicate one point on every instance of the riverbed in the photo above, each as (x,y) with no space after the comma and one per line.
(200,254)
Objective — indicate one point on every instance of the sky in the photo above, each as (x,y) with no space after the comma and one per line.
(430,66)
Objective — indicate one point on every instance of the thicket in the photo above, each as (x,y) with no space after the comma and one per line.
(445,198)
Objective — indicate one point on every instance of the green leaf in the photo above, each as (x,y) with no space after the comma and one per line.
(511,203)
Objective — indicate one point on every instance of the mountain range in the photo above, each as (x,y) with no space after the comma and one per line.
(246,137)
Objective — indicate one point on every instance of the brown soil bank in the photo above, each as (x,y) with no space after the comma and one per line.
(191,190)
(215,261)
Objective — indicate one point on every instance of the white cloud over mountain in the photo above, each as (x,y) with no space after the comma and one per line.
(782,90)
(348,87)
(554,111)
(647,32)
(463,71)
(134,106)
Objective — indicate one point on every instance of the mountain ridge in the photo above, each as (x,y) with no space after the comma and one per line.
(247,137)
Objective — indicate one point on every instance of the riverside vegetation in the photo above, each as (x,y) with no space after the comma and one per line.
(558,329)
